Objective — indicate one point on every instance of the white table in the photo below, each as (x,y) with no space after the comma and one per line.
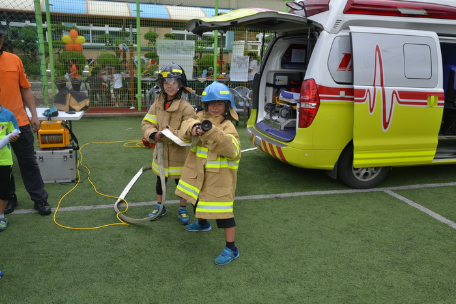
(62,115)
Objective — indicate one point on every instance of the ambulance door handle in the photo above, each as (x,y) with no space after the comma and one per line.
(432,101)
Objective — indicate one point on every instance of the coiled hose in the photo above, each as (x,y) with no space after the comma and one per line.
(122,216)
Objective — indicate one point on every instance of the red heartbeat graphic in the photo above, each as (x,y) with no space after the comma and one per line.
(378,87)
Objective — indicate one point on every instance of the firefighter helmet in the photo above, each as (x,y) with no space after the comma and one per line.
(218,91)
(172,70)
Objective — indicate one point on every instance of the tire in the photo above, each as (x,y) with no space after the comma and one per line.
(358,178)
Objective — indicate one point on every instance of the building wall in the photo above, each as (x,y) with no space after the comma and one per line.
(278,5)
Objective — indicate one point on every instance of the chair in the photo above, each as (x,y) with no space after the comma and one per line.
(247,93)
(154,91)
(241,103)
(194,99)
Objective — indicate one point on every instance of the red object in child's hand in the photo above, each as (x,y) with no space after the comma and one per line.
(147,144)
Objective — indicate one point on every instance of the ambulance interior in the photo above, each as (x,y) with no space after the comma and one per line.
(449,87)
(284,76)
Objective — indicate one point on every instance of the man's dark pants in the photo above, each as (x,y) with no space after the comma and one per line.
(25,153)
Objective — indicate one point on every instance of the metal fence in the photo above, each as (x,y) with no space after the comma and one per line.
(118,47)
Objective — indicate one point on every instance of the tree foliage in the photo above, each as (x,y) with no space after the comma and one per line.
(201,44)
(63,62)
(151,37)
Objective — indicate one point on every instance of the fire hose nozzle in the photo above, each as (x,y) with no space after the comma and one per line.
(206,125)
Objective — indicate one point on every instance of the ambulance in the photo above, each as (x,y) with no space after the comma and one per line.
(353,87)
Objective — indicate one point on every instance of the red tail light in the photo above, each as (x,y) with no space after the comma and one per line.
(309,103)
(400,9)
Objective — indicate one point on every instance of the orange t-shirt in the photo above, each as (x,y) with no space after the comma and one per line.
(74,71)
(12,79)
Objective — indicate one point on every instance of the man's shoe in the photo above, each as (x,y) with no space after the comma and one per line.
(226,256)
(155,212)
(197,227)
(10,206)
(183,216)
(3,224)
(43,208)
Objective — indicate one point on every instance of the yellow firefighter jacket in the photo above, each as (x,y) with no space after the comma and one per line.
(210,171)
(158,119)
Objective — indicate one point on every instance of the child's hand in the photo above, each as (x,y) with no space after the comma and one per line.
(197,131)
(194,130)
(14,138)
(158,136)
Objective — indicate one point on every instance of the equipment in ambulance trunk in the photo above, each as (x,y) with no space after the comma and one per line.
(53,134)
(282,112)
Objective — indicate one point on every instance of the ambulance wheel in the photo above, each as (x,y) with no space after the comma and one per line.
(358,178)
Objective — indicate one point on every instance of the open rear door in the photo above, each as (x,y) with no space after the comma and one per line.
(398,96)
(259,19)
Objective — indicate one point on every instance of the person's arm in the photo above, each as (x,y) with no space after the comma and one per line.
(223,140)
(29,101)
(149,126)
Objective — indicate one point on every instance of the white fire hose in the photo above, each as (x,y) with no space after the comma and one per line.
(159,147)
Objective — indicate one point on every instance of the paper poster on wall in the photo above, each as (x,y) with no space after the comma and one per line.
(239,69)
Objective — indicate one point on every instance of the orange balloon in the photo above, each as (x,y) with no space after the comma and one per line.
(73,34)
(69,47)
(78,47)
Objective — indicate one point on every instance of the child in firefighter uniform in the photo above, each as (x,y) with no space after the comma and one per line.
(169,110)
(209,177)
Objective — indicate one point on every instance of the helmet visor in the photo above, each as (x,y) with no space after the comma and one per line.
(169,81)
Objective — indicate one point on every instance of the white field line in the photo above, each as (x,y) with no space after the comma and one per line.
(423,209)
(388,190)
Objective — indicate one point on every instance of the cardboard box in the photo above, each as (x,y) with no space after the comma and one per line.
(57,165)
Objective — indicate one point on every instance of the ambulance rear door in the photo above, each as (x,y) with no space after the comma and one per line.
(258,19)
(399,98)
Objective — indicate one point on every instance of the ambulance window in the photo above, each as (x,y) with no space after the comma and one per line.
(340,63)
(294,57)
(417,61)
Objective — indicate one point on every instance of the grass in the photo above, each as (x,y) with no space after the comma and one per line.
(320,247)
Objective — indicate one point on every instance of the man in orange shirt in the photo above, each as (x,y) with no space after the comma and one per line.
(15,94)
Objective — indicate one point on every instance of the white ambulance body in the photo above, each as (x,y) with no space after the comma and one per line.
(354,87)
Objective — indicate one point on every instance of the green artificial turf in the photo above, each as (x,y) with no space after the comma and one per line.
(345,247)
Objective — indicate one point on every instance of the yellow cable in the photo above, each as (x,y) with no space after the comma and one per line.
(126,144)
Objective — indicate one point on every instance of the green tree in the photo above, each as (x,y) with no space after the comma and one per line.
(107,59)
(151,37)
(151,55)
(200,45)
(170,36)
(207,60)
(106,39)
(63,62)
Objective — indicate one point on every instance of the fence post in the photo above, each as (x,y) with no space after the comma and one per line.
(42,53)
(138,53)
(215,43)
(51,48)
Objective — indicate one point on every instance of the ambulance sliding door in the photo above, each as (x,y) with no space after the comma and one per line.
(398,97)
